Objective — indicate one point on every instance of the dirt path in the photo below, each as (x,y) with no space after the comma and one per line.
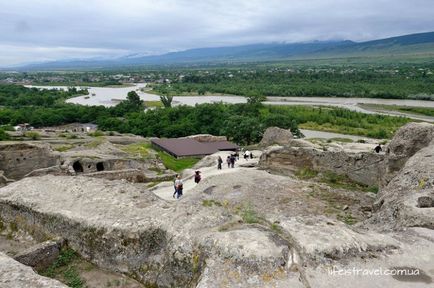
(165,190)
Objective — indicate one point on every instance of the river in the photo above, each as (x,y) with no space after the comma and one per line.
(110,96)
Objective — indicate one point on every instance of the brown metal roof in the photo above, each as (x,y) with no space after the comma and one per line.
(190,147)
(222,145)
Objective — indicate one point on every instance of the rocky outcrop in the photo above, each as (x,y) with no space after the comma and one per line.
(362,167)
(407,141)
(399,204)
(3,179)
(18,159)
(14,274)
(119,227)
(246,229)
(40,256)
(132,175)
(276,135)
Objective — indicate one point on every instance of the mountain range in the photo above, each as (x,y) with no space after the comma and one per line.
(421,44)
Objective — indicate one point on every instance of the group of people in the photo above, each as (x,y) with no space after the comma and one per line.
(231,159)
(179,185)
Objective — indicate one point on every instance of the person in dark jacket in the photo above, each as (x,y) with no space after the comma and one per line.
(219,163)
(197,177)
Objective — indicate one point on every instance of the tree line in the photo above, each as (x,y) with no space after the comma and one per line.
(242,123)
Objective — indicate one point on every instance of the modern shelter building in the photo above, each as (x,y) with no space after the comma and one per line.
(187,147)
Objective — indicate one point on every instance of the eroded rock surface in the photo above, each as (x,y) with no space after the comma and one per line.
(364,167)
(407,141)
(276,135)
(14,274)
(18,159)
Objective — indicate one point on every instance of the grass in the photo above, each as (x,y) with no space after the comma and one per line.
(403,109)
(306,173)
(95,143)
(156,103)
(339,139)
(341,181)
(347,218)
(175,164)
(210,203)
(68,136)
(97,133)
(64,148)
(33,135)
(249,215)
(64,269)
(139,150)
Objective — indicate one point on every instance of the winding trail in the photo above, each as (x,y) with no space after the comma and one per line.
(165,190)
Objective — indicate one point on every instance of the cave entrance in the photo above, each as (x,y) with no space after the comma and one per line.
(100,166)
(77,167)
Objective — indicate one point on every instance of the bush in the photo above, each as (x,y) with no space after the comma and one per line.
(33,135)
(97,133)
(3,135)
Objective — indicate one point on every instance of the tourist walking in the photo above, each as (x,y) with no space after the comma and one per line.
(232,160)
(178,187)
(378,148)
(197,177)
(228,161)
(219,163)
(246,155)
(174,184)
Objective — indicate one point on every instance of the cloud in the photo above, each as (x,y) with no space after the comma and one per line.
(90,27)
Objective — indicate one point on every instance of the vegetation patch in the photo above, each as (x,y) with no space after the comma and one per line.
(95,143)
(153,104)
(137,150)
(347,218)
(97,133)
(3,135)
(249,215)
(65,270)
(306,173)
(425,111)
(340,139)
(64,148)
(210,203)
(32,135)
(176,164)
(341,181)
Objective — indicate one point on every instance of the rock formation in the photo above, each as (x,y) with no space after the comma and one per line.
(276,135)
(406,142)
(14,274)
(364,167)
(242,227)
(19,159)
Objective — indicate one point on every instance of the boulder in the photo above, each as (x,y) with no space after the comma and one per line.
(405,201)
(276,135)
(13,274)
(407,141)
(40,256)
(362,167)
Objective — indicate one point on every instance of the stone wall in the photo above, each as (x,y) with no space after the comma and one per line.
(363,167)
(207,138)
(131,175)
(19,159)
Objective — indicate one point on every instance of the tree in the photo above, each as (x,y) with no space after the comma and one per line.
(255,98)
(134,99)
(166,100)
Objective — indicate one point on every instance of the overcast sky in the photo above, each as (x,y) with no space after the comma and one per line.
(43,30)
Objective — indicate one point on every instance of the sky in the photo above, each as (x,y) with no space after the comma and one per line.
(46,30)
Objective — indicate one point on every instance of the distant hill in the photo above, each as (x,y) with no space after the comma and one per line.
(420,44)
